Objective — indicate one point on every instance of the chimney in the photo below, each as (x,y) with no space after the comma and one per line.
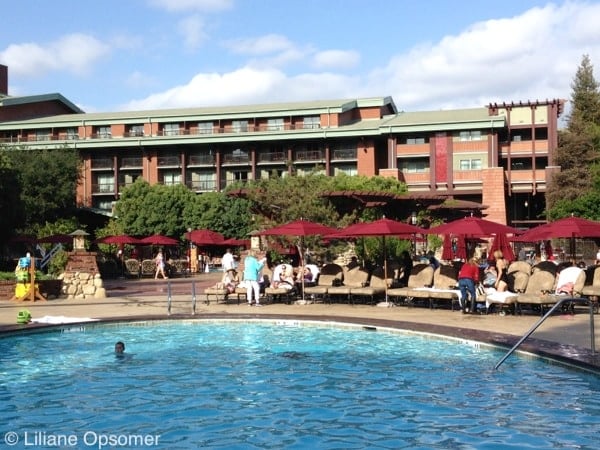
(3,80)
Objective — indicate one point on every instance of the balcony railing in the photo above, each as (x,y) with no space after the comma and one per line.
(202,185)
(272,157)
(103,188)
(102,163)
(169,161)
(344,154)
(228,158)
(310,155)
(199,160)
(131,162)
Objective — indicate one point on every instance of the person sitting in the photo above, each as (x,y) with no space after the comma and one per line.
(306,274)
(353,263)
(406,266)
(230,280)
(285,281)
(490,276)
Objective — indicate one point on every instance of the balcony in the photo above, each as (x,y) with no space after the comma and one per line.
(276,157)
(103,188)
(412,149)
(229,158)
(169,161)
(202,185)
(102,163)
(346,154)
(309,155)
(133,162)
(201,160)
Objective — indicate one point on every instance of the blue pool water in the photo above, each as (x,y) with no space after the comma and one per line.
(191,385)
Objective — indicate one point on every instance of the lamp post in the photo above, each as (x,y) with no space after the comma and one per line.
(413,222)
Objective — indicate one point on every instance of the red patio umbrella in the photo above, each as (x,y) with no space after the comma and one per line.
(236,242)
(447,252)
(300,228)
(379,228)
(56,239)
(159,239)
(120,239)
(568,227)
(472,226)
(501,243)
(205,237)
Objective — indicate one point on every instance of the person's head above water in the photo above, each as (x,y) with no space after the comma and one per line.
(119,348)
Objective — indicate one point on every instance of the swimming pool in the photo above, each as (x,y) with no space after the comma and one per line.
(286,384)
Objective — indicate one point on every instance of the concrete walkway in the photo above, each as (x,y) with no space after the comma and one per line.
(562,336)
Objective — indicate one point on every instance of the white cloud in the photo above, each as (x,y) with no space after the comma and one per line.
(246,86)
(528,57)
(262,45)
(140,80)
(192,30)
(336,59)
(192,5)
(532,56)
(74,53)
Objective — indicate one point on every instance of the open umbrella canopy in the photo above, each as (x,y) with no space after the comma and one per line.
(205,237)
(159,239)
(56,239)
(120,239)
(472,226)
(233,242)
(299,227)
(569,227)
(381,227)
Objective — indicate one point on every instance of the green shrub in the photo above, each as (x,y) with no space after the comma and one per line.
(58,263)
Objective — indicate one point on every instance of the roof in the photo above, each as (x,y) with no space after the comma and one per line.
(443,119)
(27,99)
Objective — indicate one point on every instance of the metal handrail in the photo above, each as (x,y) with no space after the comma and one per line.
(550,311)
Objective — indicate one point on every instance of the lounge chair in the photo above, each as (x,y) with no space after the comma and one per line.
(539,291)
(219,294)
(376,287)
(421,276)
(353,278)
(330,274)
(518,277)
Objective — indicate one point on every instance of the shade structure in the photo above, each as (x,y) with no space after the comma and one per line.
(205,237)
(120,239)
(56,239)
(472,226)
(447,252)
(159,239)
(569,227)
(501,243)
(233,242)
(379,228)
(300,228)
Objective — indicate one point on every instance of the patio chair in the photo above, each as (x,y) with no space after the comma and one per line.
(220,293)
(132,268)
(421,276)
(330,274)
(519,266)
(592,290)
(353,278)
(376,286)
(540,286)
(148,268)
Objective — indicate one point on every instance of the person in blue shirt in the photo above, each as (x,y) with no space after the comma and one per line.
(252,271)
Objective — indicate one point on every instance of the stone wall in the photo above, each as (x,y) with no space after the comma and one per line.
(82,285)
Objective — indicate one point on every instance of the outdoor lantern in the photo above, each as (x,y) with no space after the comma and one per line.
(78,239)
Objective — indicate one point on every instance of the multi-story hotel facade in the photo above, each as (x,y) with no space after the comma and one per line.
(499,155)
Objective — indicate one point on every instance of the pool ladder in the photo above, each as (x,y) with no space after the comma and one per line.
(170,297)
(550,311)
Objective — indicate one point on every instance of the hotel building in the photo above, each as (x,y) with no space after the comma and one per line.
(500,155)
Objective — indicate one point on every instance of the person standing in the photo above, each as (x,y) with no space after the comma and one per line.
(468,277)
(160,265)
(252,271)
(227,261)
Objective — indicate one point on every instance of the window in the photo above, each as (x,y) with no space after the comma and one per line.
(239,126)
(312,122)
(205,128)
(42,135)
(171,129)
(474,135)
(347,170)
(171,178)
(105,184)
(72,133)
(103,132)
(415,165)
(136,130)
(415,140)
(470,164)
(275,125)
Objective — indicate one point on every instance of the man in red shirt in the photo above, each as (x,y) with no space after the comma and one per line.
(468,277)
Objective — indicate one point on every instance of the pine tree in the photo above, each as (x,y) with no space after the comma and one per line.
(579,145)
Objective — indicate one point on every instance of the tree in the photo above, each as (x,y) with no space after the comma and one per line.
(579,146)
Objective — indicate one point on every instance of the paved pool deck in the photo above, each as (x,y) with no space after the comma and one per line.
(564,337)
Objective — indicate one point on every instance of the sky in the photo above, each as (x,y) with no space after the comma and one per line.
(119,55)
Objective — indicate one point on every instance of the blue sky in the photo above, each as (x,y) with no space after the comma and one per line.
(155,54)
